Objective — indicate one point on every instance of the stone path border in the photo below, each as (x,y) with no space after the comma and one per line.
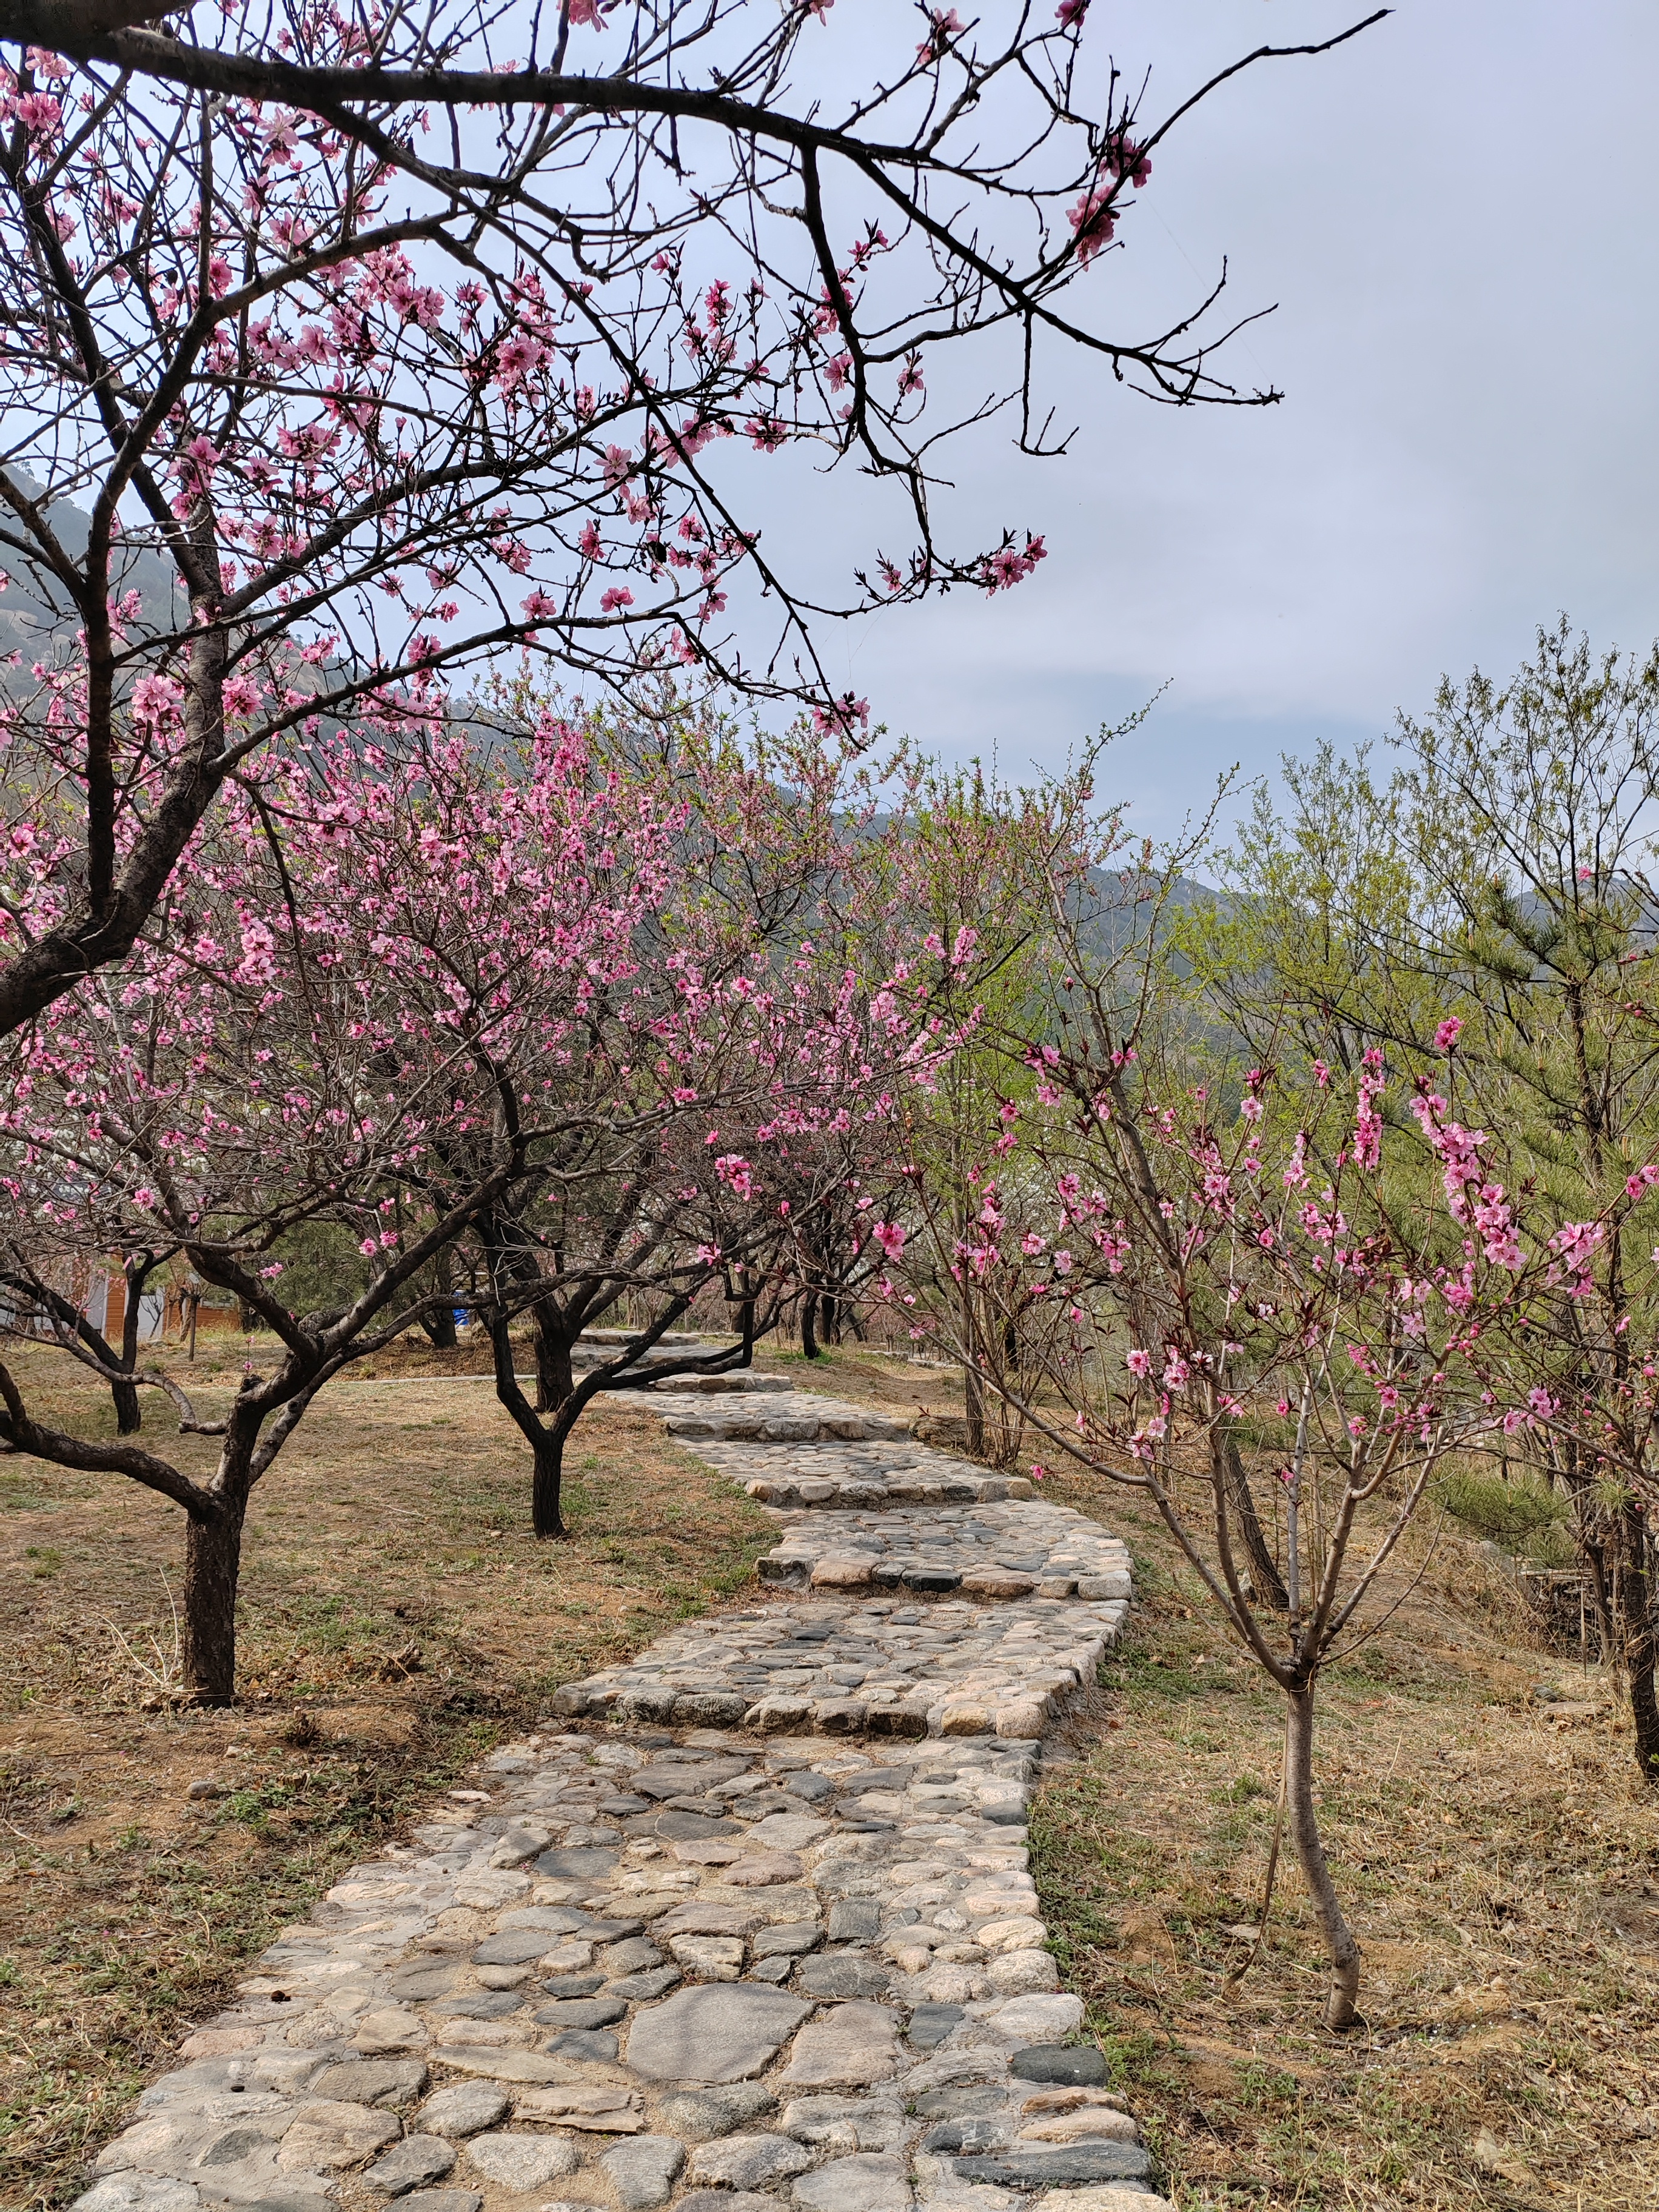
(747,1928)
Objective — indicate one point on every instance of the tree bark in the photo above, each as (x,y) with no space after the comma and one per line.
(554,1379)
(1341,1948)
(213,1562)
(809,1313)
(546,1515)
(1264,1568)
(546,1445)
(973,1405)
(1641,1639)
(129,1416)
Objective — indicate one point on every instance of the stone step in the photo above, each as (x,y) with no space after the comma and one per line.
(787,1416)
(881,1667)
(1005,1550)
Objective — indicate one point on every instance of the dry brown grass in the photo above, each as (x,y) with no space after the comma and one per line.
(1502,1871)
(396,1616)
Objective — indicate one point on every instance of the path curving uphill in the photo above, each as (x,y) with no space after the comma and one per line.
(747,1928)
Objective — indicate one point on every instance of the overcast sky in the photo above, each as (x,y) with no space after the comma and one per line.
(1459,217)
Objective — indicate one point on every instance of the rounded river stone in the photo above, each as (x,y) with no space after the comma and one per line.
(1079,2069)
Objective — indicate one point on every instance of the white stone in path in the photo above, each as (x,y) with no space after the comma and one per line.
(522,2161)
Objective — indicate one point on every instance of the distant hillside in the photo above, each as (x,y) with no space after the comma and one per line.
(35,608)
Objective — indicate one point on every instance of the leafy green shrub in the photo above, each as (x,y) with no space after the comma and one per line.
(1524,1514)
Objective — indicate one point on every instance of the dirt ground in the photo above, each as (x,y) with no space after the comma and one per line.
(1501,1867)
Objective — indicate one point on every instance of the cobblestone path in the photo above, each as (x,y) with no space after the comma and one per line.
(747,1928)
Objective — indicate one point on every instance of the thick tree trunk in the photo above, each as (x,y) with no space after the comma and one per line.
(1264,1568)
(546,1443)
(1340,1945)
(129,1415)
(545,1503)
(554,1380)
(809,1313)
(213,1561)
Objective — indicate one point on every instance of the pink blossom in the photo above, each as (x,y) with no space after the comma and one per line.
(1139,1364)
(890,1236)
(736,1172)
(1093,223)
(946,25)
(1447,1035)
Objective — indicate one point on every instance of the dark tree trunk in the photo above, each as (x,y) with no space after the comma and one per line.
(440,1325)
(129,1417)
(1264,1568)
(553,1346)
(1341,1948)
(546,1515)
(546,1442)
(213,1560)
(1641,1638)
(809,1313)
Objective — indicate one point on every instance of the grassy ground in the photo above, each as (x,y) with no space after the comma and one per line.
(396,1616)
(1501,1869)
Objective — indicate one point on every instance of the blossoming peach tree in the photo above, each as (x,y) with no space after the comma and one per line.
(408,1007)
(346,348)
(735,1086)
(1276,1324)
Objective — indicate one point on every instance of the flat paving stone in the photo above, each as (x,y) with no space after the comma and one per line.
(410,2164)
(1057,2169)
(848,2044)
(462,2108)
(862,2183)
(748,2161)
(1083,2067)
(522,2161)
(643,2172)
(714,2033)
